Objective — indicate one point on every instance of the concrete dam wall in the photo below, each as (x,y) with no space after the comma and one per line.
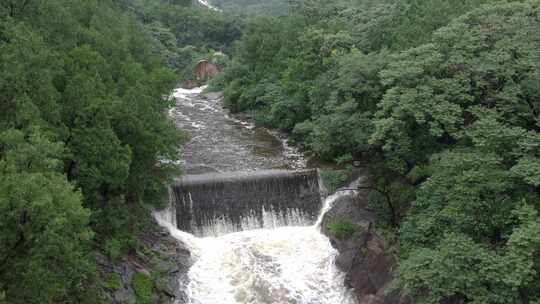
(214,204)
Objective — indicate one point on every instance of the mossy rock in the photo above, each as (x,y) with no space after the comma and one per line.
(113,282)
(342,229)
(143,285)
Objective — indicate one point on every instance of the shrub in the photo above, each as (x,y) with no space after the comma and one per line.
(117,247)
(334,179)
(342,228)
(144,287)
(113,248)
(113,282)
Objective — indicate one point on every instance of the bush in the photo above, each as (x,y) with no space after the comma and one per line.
(342,228)
(113,283)
(418,174)
(144,287)
(334,179)
(113,248)
(117,247)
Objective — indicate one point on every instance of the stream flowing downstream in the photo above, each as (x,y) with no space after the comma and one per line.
(282,265)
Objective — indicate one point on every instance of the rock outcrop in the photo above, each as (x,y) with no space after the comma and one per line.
(205,70)
(365,256)
(164,263)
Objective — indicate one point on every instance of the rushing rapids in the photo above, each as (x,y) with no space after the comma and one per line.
(254,235)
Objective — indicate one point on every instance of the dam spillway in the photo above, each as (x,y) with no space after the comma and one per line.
(254,235)
(215,204)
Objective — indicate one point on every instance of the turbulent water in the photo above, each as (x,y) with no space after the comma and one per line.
(214,204)
(220,142)
(285,265)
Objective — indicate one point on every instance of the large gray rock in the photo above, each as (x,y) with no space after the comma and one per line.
(167,261)
(213,95)
(365,257)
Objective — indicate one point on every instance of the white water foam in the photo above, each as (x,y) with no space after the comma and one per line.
(288,265)
(282,266)
(183,93)
(270,220)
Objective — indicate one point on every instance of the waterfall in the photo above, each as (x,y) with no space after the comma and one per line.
(285,265)
(254,235)
(214,204)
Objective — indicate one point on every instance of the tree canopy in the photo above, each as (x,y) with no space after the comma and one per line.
(83,130)
(441,99)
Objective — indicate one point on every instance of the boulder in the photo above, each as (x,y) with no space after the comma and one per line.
(167,261)
(365,257)
(213,95)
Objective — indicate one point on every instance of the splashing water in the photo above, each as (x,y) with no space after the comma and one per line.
(286,265)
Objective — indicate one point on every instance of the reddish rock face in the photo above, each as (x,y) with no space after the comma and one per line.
(205,69)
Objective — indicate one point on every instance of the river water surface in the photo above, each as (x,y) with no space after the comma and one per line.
(286,265)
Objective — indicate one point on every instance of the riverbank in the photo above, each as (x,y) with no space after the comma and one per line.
(289,263)
(153,273)
(366,258)
(222,142)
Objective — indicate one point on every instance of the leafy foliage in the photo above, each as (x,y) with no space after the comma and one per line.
(83,134)
(334,179)
(342,228)
(442,99)
(44,230)
(113,282)
(143,287)
(182,34)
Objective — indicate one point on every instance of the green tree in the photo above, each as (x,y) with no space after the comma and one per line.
(442,99)
(435,88)
(44,231)
(84,142)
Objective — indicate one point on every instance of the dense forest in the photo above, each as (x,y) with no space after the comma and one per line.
(441,100)
(86,150)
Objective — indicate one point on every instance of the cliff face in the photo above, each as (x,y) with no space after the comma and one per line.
(364,256)
(153,275)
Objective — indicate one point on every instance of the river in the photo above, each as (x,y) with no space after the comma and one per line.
(284,265)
